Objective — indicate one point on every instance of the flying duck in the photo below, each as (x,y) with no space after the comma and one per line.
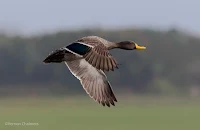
(87,58)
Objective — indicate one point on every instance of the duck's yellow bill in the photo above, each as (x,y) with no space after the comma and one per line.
(140,47)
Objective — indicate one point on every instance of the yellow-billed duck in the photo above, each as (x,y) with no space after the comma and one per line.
(87,58)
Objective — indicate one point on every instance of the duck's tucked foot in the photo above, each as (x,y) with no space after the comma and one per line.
(56,56)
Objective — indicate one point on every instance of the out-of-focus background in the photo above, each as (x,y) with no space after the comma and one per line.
(157,89)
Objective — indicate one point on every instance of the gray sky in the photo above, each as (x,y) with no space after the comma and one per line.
(32,16)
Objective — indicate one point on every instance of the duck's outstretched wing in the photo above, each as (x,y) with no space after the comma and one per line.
(94,53)
(100,58)
(94,81)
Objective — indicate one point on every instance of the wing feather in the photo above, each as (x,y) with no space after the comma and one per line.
(99,58)
(94,81)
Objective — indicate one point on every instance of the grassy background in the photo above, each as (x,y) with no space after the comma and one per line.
(139,113)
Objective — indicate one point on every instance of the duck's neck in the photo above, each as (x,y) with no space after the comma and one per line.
(111,45)
(123,45)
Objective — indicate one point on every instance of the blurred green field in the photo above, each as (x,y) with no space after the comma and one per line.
(139,113)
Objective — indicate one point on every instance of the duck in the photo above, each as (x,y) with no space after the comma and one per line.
(88,58)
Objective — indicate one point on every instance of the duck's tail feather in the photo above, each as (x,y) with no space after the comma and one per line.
(56,56)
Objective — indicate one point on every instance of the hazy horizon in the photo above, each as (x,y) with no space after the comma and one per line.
(29,17)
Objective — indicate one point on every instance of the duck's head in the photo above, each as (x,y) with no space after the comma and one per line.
(130,45)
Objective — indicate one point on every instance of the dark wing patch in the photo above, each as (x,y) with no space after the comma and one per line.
(78,48)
